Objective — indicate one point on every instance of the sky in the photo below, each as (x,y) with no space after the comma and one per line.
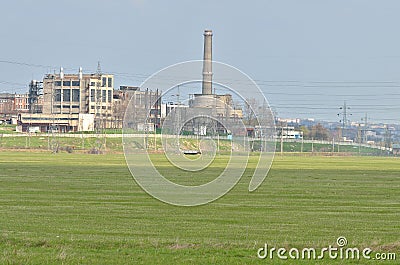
(308,56)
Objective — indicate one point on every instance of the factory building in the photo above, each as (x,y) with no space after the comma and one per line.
(208,103)
(78,93)
(69,102)
(146,108)
(222,105)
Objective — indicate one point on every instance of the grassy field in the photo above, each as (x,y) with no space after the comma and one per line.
(114,145)
(86,209)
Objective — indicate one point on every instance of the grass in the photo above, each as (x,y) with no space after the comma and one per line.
(7,129)
(114,145)
(87,209)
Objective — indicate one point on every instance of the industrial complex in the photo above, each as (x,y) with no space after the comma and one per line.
(71,102)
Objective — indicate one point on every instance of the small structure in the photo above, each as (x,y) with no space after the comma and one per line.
(55,122)
(396,149)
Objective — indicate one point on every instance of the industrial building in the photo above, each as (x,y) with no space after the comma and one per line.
(208,104)
(146,108)
(222,105)
(67,101)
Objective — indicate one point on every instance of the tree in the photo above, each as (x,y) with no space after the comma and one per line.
(319,132)
(305,131)
(249,115)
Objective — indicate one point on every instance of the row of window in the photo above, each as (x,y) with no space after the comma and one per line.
(105,82)
(66,106)
(66,95)
(102,107)
(67,83)
(101,94)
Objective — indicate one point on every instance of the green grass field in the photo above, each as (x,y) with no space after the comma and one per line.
(114,145)
(86,209)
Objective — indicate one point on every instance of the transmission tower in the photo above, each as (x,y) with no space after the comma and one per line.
(365,136)
(343,115)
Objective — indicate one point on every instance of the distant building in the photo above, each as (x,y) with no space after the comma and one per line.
(167,107)
(12,104)
(6,103)
(289,132)
(60,99)
(396,149)
(78,93)
(21,104)
(145,108)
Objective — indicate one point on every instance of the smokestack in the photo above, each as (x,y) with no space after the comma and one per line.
(80,73)
(207,63)
(61,73)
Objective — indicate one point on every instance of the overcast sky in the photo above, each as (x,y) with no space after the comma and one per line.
(307,56)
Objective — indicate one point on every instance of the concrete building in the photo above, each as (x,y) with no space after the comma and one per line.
(145,104)
(78,93)
(61,99)
(167,107)
(220,107)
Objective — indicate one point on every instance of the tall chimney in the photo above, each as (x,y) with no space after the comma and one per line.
(207,63)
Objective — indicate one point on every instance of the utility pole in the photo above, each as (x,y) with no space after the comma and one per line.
(98,123)
(302,143)
(359,139)
(388,138)
(281,139)
(312,145)
(365,138)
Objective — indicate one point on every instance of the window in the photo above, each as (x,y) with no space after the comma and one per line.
(98,94)
(109,95)
(104,96)
(104,80)
(57,83)
(66,95)
(75,95)
(92,83)
(57,95)
(138,99)
(92,95)
(109,82)
(76,83)
(66,83)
